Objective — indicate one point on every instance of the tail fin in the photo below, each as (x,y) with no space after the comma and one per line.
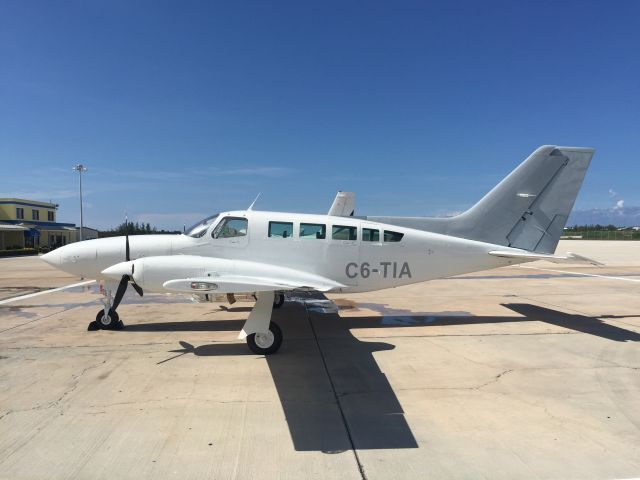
(343,205)
(528,209)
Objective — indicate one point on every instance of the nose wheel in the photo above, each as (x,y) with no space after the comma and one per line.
(106,321)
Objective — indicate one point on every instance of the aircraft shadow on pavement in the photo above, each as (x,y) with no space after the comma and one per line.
(527,313)
(333,394)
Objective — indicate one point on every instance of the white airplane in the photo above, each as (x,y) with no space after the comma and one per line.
(266,254)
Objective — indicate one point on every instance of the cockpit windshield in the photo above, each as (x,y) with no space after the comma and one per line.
(200,228)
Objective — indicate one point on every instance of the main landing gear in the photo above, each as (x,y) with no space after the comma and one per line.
(265,343)
(278,300)
(263,336)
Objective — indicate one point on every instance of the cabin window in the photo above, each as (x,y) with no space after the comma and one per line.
(50,216)
(35,214)
(312,231)
(231,227)
(370,235)
(390,236)
(19,213)
(281,229)
(341,232)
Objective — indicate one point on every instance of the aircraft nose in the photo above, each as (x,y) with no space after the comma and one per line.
(53,258)
(74,258)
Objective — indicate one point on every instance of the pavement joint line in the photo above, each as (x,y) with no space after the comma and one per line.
(580,274)
(445,335)
(31,295)
(363,475)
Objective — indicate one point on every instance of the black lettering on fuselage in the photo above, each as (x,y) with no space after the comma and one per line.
(353,265)
(405,270)
(385,265)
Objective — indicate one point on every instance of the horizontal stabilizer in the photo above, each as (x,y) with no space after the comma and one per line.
(529,256)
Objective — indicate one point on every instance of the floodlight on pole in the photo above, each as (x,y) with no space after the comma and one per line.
(80,168)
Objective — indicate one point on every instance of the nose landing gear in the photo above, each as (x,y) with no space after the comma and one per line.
(107,318)
(106,321)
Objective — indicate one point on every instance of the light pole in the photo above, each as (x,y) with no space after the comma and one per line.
(80,168)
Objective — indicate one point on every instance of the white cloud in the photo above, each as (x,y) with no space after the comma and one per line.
(618,215)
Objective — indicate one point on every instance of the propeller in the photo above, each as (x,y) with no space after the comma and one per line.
(127,256)
(126,279)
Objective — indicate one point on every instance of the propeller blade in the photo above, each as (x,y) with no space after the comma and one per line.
(137,288)
(127,253)
(122,287)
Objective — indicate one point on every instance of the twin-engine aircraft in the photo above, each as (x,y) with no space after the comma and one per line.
(265,254)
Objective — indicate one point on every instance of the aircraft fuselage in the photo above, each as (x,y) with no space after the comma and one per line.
(358,255)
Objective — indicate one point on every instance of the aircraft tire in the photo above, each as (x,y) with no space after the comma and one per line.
(278,300)
(109,322)
(266,344)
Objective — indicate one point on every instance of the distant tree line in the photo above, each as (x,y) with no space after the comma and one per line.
(133,228)
(595,228)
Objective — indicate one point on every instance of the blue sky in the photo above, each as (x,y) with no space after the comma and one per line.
(182,109)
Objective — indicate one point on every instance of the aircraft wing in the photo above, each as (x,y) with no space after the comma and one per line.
(243,284)
(524,255)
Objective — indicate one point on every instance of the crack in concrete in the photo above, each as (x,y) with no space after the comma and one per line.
(75,379)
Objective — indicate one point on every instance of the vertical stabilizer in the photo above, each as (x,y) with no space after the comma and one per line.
(528,209)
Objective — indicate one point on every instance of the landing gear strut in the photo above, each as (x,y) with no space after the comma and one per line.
(263,336)
(107,318)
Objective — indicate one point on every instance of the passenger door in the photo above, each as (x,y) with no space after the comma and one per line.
(371,256)
(343,254)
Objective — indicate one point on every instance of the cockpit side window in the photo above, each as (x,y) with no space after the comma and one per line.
(231,227)
(199,229)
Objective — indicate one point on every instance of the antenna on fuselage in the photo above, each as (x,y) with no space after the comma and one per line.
(254,201)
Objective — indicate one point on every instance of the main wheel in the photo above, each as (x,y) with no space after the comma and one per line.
(110,321)
(278,300)
(266,343)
